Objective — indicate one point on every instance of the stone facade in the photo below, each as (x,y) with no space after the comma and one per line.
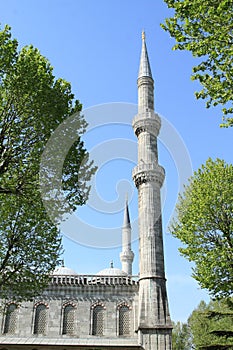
(76,310)
(112,309)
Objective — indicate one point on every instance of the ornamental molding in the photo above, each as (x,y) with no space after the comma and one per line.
(127,255)
(124,303)
(145,81)
(41,302)
(151,173)
(69,303)
(12,302)
(98,303)
(147,122)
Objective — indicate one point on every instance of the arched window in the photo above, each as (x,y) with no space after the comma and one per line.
(11,318)
(124,320)
(68,319)
(98,320)
(40,320)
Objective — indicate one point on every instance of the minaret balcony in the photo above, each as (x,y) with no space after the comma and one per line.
(147,121)
(144,173)
(127,255)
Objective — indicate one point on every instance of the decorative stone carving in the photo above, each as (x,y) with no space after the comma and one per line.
(147,122)
(148,173)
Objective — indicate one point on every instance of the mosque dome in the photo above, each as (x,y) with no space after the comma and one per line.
(111,271)
(63,271)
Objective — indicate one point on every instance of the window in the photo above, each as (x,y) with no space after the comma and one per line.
(68,319)
(98,320)
(40,320)
(124,320)
(11,318)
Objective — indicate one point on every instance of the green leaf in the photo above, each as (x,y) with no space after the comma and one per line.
(205,29)
(204,224)
(33,104)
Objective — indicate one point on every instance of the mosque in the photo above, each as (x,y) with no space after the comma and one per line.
(112,309)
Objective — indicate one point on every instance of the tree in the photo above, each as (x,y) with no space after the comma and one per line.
(181,336)
(211,325)
(205,29)
(33,104)
(204,224)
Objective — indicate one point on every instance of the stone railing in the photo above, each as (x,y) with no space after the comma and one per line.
(93,280)
(149,121)
(143,173)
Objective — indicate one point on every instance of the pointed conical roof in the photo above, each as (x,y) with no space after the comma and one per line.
(126,222)
(144,68)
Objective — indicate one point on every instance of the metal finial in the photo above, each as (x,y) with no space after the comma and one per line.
(143,35)
(111,264)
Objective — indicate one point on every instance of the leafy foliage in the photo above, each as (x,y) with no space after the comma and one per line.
(181,336)
(33,104)
(204,224)
(205,28)
(211,325)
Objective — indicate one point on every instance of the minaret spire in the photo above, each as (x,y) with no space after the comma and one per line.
(144,67)
(145,81)
(127,254)
(126,222)
(154,324)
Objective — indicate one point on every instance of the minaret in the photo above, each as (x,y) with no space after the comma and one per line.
(127,254)
(154,324)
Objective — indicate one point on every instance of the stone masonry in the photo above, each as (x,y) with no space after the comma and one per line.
(154,324)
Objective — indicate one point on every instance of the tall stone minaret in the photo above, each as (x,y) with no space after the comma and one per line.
(154,324)
(127,254)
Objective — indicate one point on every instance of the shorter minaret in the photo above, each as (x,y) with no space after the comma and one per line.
(127,254)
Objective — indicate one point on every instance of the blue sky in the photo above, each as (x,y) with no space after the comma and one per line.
(96,46)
